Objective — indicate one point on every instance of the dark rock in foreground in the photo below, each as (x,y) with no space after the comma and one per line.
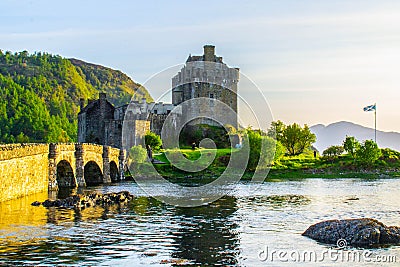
(364,232)
(90,200)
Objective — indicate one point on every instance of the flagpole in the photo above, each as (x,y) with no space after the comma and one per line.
(375,122)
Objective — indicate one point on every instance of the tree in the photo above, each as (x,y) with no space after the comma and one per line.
(333,151)
(351,145)
(368,152)
(297,139)
(276,130)
(153,140)
(41,100)
(21,138)
(306,138)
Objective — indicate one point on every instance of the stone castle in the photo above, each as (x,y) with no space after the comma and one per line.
(204,78)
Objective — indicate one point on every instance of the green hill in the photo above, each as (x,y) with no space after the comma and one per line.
(118,86)
(39,95)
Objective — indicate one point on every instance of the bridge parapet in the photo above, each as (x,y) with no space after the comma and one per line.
(92,148)
(23,170)
(66,147)
(32,168)
(12,151)
(114,154)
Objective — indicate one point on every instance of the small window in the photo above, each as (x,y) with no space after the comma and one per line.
(155,111)
(211,95)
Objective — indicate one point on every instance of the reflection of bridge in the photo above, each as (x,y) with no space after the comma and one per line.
(32,168)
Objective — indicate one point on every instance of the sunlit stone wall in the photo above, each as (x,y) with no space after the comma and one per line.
(24,170)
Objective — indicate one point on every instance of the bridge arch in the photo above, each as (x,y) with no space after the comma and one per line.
(65,174)
(114,172)
(92,173)
(77,165)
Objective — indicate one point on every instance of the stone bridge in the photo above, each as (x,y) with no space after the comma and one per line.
(33,168)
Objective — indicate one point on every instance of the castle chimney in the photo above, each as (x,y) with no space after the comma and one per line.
(209,53)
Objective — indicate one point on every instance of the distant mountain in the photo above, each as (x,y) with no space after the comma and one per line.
(40,92)
(335,133)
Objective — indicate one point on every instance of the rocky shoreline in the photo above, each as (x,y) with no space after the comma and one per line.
(364,232)
(89,200)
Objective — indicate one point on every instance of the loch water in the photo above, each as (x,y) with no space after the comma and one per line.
(254,225)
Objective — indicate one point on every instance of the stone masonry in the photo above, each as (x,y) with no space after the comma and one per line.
(202,77)
(32,168)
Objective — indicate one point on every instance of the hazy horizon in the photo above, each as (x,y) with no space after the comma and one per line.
(315,62)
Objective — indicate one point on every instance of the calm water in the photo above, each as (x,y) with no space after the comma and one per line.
(229,232)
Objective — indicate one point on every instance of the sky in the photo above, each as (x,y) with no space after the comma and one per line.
(314,61)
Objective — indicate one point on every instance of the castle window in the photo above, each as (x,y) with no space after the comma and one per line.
(198,95)
(155,111)
(211,95)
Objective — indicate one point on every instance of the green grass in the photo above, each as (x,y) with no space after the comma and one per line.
(194,154)
(213,171)
(295,167)
(344,166)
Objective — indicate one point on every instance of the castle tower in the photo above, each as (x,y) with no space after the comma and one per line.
(206,76)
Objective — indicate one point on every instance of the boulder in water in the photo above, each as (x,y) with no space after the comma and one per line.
(89,200)
(364,232)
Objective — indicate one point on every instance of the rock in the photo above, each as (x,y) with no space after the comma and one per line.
(364,232)
(47,203)
(353,198)
(90,200)
(36,203)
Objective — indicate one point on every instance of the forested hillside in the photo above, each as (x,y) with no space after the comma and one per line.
(39,95)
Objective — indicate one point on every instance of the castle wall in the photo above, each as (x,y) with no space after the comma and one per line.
(93,120)
(202,77)
(157,122)
(141,127)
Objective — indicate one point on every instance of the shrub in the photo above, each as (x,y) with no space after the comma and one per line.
(262,149)
(153,140)
(333,151)
(280,151)
(368,152)
(390,154)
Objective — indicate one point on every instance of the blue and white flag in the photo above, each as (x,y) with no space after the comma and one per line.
(370,108)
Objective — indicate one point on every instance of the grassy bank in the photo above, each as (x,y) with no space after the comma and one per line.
(297,167)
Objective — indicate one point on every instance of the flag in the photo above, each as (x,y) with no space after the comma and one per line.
(370,108)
